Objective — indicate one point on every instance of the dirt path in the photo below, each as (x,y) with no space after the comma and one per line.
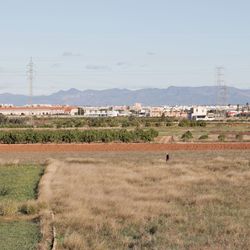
(47,216)
(45,190)
(121,147)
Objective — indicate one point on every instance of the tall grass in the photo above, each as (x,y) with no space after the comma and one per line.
(141,202)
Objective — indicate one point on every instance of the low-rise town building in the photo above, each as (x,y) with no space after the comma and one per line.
(205,113)
(198,113)
(38,110)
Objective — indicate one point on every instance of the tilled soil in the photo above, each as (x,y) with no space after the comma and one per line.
(121,147)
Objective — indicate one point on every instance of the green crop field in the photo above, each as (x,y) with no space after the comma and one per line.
(18,184)
(19,235)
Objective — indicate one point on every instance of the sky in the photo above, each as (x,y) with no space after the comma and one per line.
(100,44)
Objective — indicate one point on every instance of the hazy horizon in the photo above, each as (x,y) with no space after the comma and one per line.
(121,88)
(123,44)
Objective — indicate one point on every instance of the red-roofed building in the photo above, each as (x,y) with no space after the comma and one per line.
(38,110)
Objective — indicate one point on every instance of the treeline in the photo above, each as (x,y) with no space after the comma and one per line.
(192,123)
(101,122)
(76,136)
(13,122)
(80,122)
(123,122)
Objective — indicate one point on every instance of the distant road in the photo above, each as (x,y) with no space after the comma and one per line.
(122,147)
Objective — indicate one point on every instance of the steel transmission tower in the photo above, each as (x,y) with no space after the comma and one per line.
(30,76)
(221,87)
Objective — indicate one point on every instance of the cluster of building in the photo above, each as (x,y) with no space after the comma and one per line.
(238,111)
(37,110)
(190,112)
(136,110)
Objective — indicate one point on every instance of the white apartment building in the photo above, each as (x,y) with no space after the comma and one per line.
(99,112)
(198,113)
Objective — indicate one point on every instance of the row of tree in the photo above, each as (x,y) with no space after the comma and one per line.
(192,123)
(124,122)
(76,136)
(112,122)
(78,122)
(13,122)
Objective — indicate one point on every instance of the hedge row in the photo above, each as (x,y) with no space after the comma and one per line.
(77,122)
(111,122)
(192,123)
(13,122)
(76,136)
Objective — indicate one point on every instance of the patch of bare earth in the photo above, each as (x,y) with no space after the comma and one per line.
(165,139)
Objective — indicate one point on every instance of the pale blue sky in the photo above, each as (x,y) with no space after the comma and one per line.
(132,44)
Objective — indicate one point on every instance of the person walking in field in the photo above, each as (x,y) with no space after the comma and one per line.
(167,157)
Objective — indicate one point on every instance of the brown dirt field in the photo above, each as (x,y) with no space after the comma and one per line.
(164,139)
(229,132)
(122,147)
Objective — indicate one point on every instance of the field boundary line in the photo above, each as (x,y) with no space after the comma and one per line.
(123,147)
(48,229)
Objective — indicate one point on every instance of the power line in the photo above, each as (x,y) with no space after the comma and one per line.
(221,86)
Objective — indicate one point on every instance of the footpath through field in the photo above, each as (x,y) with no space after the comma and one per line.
(121,147)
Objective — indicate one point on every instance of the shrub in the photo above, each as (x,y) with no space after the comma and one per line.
(158,124)
(201,124)
(187,136)
(169,124)
(203,137)
(239,137)
(192,123)
(184,123)
(221,137)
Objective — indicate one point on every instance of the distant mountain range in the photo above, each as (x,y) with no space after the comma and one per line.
(150,96)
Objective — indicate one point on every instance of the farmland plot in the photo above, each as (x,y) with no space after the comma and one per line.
(137,201)
(19,226)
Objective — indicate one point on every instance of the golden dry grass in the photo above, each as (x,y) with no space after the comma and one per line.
(137,201)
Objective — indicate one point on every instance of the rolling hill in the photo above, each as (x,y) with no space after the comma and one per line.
(150,96)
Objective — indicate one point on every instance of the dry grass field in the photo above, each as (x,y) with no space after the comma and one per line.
(198,200)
